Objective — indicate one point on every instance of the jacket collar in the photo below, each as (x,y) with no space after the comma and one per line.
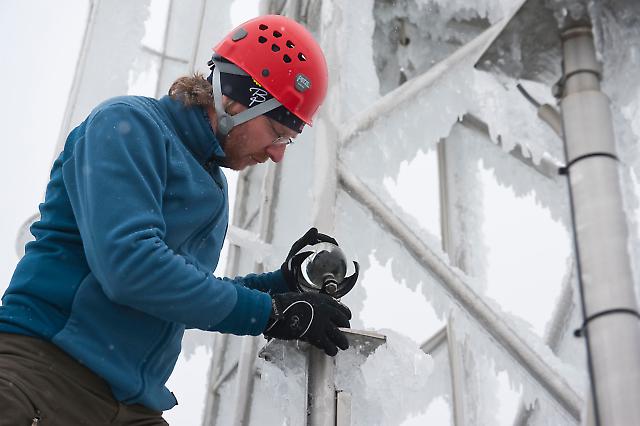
(194,129)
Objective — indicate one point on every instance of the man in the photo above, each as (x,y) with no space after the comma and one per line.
(132,225)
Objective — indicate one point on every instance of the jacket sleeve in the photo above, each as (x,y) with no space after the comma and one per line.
(115,179)
(268,282)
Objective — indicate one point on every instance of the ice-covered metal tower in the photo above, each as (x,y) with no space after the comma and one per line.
(410,127)
(404,82)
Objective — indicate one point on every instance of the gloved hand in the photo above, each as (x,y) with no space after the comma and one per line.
(311,237)
(311,317)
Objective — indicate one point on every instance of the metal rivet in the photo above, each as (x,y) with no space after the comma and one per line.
(265,72)
(239,34)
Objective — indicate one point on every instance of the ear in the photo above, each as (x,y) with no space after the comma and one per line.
(213,117)
(227,103)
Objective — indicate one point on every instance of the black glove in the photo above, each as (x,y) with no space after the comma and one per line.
(311,237)
(311,317)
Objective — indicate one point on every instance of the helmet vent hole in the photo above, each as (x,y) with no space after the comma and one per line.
(286,58)
(290,44)
(275,47)
(302,57)
(277,34)
(263,27)
(262,39)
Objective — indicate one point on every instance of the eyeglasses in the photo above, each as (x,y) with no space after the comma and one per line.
(280,140)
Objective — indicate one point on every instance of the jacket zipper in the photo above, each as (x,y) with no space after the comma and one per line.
(204,231)
(36,419)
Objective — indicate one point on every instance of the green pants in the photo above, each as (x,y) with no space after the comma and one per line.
(41,385)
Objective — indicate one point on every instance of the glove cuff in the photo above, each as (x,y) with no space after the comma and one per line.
(274,316)
(288,276)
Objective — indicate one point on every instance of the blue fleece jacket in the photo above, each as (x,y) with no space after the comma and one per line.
(132,225)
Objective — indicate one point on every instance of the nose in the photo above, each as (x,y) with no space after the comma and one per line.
(276,152)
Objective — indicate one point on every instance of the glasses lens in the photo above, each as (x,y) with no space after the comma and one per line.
(282,140)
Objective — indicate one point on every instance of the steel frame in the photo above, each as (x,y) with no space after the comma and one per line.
(464,294)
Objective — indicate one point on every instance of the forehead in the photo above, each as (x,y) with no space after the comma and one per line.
(282,129)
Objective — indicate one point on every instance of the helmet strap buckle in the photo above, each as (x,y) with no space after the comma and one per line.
(226,122)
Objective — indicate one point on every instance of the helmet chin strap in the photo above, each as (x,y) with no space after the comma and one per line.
(226,122)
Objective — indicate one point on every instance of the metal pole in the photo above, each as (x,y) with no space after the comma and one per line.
(447,222)
(219,350)
(244,379)
(435,341)
(249,349)
(321,390)
(321,373)
(456,362)
(608,298)
(343,411)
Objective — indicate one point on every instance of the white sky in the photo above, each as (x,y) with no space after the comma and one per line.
(40,40)
(38,62)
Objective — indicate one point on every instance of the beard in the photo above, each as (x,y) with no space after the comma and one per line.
(226,161)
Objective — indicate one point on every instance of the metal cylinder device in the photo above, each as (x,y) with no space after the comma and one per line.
(326,269)
(600,228)
(322,268)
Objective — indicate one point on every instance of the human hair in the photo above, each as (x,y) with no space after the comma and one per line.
(192,90)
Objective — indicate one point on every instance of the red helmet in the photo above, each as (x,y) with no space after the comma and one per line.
(284,58)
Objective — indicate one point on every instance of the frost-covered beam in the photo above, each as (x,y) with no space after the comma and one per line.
(182,47)
(224,375)
(249,241)
(446,335)
(193,61)
(216,377)
(103,32)
(435,341)
(561,316)
(547,167)
(463,293)
(556,329)
(163,55)
(408,91)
